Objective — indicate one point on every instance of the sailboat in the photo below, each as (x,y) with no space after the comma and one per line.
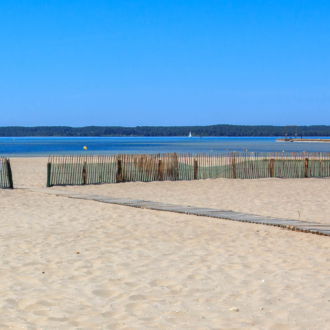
(190,134)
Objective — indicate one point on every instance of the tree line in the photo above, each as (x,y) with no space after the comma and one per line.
(145,131)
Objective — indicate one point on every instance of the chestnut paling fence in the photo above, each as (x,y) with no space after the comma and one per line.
(76,170)
(6,178)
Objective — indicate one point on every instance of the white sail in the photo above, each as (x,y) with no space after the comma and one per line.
(190,134)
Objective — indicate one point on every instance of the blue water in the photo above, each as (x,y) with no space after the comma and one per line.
(41,146)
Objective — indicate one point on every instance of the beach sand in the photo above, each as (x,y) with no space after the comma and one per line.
(143,269)
(297,199)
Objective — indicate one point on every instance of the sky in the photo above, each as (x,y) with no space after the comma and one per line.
(164,63)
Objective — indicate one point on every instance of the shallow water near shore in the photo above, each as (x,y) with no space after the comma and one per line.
(43,146)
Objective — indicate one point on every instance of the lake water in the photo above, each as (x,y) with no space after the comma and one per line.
(40,146)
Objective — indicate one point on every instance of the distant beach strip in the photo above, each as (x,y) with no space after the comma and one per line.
(304,140)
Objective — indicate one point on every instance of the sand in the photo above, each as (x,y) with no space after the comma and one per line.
(297,199)
(143,269)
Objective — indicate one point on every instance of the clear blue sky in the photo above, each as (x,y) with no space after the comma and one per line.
(171,62)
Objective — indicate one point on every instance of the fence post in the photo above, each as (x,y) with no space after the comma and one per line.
(49,168)
(119,176)
(84,173)
(306,167)
(10,174)
(175,166)
(271,168)
(234,168)
(160,170)
(195,169)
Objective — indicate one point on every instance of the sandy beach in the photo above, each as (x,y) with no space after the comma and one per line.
(78,264)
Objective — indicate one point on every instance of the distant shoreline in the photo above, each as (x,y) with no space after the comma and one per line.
(278,138)
(166,131)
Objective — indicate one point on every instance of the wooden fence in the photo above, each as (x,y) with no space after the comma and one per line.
(77,170)
(6,177)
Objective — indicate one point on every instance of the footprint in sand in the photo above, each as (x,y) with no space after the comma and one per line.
(105,293)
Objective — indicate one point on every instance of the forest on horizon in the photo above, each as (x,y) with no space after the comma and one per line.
(158,131)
